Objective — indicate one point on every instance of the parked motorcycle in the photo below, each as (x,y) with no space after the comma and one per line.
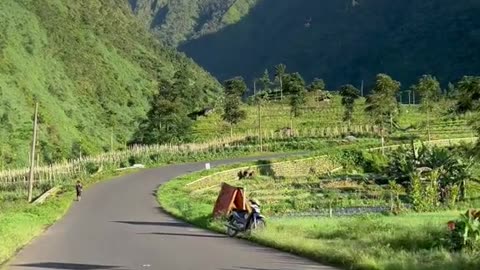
(242,221)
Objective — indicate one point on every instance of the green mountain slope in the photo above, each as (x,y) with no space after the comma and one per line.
(91,67)
(345,41)
(175,21)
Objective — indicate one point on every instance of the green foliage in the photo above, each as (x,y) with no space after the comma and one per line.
(396,191)
(382,105)
(429,90)
(280,72)
(468,94)
(349,94)
(91,67)
(265,82)
(468,100)
(452,196)
(465,232)
(234,90)
(317,85)
(451,169)
(370,162)
(167,122)
(295,86)
(176,21)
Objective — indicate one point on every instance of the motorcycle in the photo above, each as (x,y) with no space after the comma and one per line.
(242,221)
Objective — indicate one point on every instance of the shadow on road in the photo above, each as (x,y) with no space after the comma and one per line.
(68,266)
(187,235)
(249,268)
(164,224)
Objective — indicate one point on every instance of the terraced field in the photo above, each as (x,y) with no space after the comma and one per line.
(321,116)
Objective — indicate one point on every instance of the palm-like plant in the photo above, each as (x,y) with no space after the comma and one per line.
(452,170)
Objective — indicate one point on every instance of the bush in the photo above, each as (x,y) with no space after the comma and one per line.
(465,232)
(91,168)
(369,162)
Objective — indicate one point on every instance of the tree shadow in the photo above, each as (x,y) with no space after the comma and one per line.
(185,235)
(67,266)
(265,168)
(247,268)
(162,224)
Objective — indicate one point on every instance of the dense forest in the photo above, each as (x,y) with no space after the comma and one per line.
(341,41)
(175,21)
(92,68)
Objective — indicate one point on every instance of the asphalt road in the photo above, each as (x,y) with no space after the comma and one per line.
(118,225)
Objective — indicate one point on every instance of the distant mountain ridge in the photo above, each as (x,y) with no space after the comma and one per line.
(341,41)
(176,21)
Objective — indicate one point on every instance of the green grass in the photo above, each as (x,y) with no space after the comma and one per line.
(408,242)
(22,222)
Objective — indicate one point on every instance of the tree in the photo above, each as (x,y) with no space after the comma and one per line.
(265,82)
(280,72)
(349,94)
(468,100)
(382,104)
(234,90)
(295,85)
(429,91)
(317,85)
(166,121)
(468,94)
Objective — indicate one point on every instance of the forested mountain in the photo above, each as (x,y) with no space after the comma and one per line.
(93,69)
(175,21)
(341,41)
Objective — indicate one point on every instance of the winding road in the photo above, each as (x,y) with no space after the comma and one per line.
(118,225)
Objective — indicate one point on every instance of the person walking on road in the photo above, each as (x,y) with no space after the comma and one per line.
(79,189)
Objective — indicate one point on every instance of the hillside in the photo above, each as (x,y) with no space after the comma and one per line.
(175,21)
(91,67)
(344,42)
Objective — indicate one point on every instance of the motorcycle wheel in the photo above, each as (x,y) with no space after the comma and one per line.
(231,232)
(260,224)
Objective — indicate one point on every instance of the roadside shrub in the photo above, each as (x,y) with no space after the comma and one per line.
(374,163)
(465,232)
(91,168)
(396,204)
(369,162)
(424,196)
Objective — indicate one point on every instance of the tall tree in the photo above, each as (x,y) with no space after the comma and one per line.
(265,82)
(317,85)
(468,94)
(349,94)
(382,104)
(295,86)
(468,100)
(280,72)
(167,119)
(428,88)
(234,90)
